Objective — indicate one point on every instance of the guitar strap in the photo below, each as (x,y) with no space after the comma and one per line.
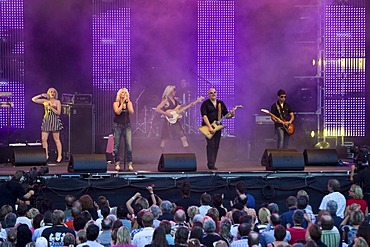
(279,110)
(219,111)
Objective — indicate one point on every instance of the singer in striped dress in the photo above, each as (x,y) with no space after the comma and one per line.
(51,121)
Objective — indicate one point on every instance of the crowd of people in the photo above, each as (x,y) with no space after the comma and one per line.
(342,220)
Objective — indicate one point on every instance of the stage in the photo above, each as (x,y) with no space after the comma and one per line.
(118,187)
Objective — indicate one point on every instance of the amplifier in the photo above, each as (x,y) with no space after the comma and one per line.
(67,98)
(83,99)
(80,99)
(264,119)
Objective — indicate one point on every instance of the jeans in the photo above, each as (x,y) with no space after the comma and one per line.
(282,138)
(119,131)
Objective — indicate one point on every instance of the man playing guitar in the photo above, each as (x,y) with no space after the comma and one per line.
(213,110)
(282,111)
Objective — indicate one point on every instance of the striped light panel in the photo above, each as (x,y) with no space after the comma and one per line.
(344,97)
(12,63)
(111,57)
(216,52)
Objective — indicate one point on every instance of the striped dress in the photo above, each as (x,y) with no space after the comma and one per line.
(51,121)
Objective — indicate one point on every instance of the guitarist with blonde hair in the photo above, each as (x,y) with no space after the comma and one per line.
(283,116)
(212,110)
(170,130)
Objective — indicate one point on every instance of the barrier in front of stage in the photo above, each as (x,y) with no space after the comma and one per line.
(177,162)
(87,163)
(320,157)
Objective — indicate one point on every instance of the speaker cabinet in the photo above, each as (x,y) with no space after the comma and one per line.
(29,156)
(320,157)
(81,128)
(285,161)
(267,152)
(177,162)
(6,154)
(87,163)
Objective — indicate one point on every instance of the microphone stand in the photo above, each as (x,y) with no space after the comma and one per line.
(201,77)
(138,125)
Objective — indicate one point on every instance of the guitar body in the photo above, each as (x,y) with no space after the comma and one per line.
(216,127)
(289,128)
(175,115)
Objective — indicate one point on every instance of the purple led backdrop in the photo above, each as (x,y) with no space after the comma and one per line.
(274,43)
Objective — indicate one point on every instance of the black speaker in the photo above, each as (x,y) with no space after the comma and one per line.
(285,161)
(320,157)
(87,163)
(82,129)
(29,156)
(267,152)
(6,154)
(177,162)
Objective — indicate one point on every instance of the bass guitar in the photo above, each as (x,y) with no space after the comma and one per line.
(176,112)
(288,127)
(216,125)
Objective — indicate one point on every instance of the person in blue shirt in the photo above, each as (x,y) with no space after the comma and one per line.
(241,188)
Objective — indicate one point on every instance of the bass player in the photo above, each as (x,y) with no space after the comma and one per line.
(212,110)
(282,110)
(170,130)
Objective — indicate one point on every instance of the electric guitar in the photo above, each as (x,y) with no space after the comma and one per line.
(288,127)
(216,125)
(176,112)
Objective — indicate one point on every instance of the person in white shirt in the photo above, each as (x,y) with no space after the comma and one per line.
(334,194)
(205,201)
(22,218)
(145,236)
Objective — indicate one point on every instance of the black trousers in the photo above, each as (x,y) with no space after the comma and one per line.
(212,149)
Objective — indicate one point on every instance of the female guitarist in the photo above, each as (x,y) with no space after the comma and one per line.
(282,111)
(170,130)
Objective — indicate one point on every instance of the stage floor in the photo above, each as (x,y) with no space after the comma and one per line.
(152,168)
(235,156)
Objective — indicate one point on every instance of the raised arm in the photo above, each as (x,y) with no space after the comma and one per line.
(40,98)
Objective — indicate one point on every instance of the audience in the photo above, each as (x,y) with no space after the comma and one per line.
(187,224)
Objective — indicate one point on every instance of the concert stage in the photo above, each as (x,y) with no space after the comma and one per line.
(118,187)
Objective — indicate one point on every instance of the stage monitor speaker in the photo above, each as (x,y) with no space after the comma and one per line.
(29,156)
(320,157)
(285,161)
(177,162)
(267,152)
(87,163)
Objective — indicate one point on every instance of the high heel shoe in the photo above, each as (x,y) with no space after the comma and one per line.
(118,167)
(59,160)
(130,167)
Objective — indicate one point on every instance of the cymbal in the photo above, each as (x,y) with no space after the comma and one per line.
(322,145)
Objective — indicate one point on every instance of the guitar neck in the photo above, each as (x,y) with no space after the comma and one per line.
(228,114)
(187,107)
(278,119)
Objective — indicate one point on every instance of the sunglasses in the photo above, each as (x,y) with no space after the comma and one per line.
(283,96)
(212,92)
